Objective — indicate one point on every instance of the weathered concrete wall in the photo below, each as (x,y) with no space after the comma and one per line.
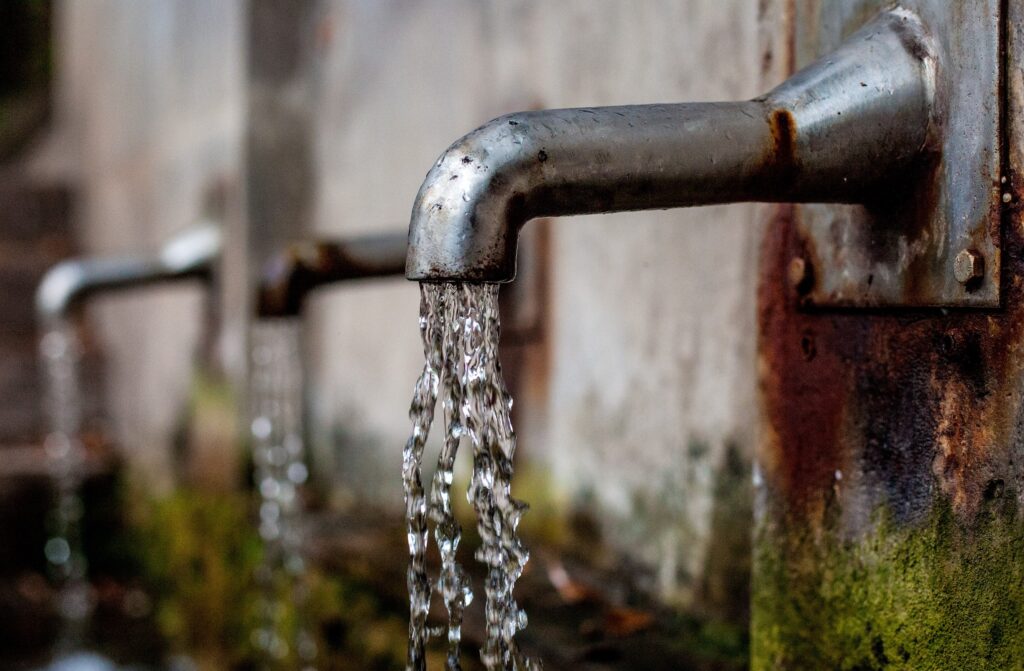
(149,115)
(644,379)
(636,378)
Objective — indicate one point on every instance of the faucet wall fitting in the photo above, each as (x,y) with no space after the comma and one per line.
(192,254)
(835,132)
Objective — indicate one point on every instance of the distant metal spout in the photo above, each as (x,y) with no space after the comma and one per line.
(292,274)
(834,132)
(193,254)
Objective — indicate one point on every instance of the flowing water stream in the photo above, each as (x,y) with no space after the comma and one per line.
(60,352)
(280,470)
(460,329)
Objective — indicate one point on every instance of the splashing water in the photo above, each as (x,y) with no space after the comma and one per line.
(460,328)
(280,471)
(60,351)
(422,415)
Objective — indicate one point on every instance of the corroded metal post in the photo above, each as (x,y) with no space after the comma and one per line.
(889,532)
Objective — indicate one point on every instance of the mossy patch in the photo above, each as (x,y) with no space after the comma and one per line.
(199,552)
(944,594)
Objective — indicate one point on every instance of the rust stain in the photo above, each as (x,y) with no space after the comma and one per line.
(915,401)
(803,443)
(297,270)
(783,129)
(780,158)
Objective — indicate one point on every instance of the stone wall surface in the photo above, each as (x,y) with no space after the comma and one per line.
(636,377)
(643,379)
(149,116)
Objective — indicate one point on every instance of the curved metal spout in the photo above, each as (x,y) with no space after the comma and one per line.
(191,254)
(292,274)
(832,133)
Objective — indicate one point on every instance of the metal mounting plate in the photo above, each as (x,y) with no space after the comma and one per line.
(902,254)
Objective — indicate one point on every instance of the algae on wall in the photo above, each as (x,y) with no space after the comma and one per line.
(933,597)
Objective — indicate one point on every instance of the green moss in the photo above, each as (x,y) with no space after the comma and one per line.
(725,580)
(723,643)
(936,596)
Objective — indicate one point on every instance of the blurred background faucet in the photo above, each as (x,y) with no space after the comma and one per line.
(190,255)
(290,275)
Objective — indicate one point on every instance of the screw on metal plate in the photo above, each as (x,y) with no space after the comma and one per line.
(968,266)
(899,249)
(800,274)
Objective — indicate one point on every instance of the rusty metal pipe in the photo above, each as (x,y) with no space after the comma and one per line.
(838,131)
(297,270)
(192,254)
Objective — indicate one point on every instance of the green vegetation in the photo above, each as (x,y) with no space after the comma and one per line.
(199,555)
(936,596)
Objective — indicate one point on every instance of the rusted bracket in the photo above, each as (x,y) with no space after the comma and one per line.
(937,243)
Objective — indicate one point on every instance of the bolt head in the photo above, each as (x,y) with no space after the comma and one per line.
(799,272)
(968,266)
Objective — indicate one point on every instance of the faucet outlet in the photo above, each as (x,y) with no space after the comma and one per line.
(889,136)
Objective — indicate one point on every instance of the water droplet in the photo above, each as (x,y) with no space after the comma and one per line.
(57,551)
(54,344)
(298,473)
(270,488)
(261,428)
(278,455)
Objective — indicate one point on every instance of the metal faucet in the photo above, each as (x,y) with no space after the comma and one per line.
(192,254)
(837,131)
(290,275)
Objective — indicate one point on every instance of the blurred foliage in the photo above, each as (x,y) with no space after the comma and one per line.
(200,553)
(357,630)
(724,645)
(196,554)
